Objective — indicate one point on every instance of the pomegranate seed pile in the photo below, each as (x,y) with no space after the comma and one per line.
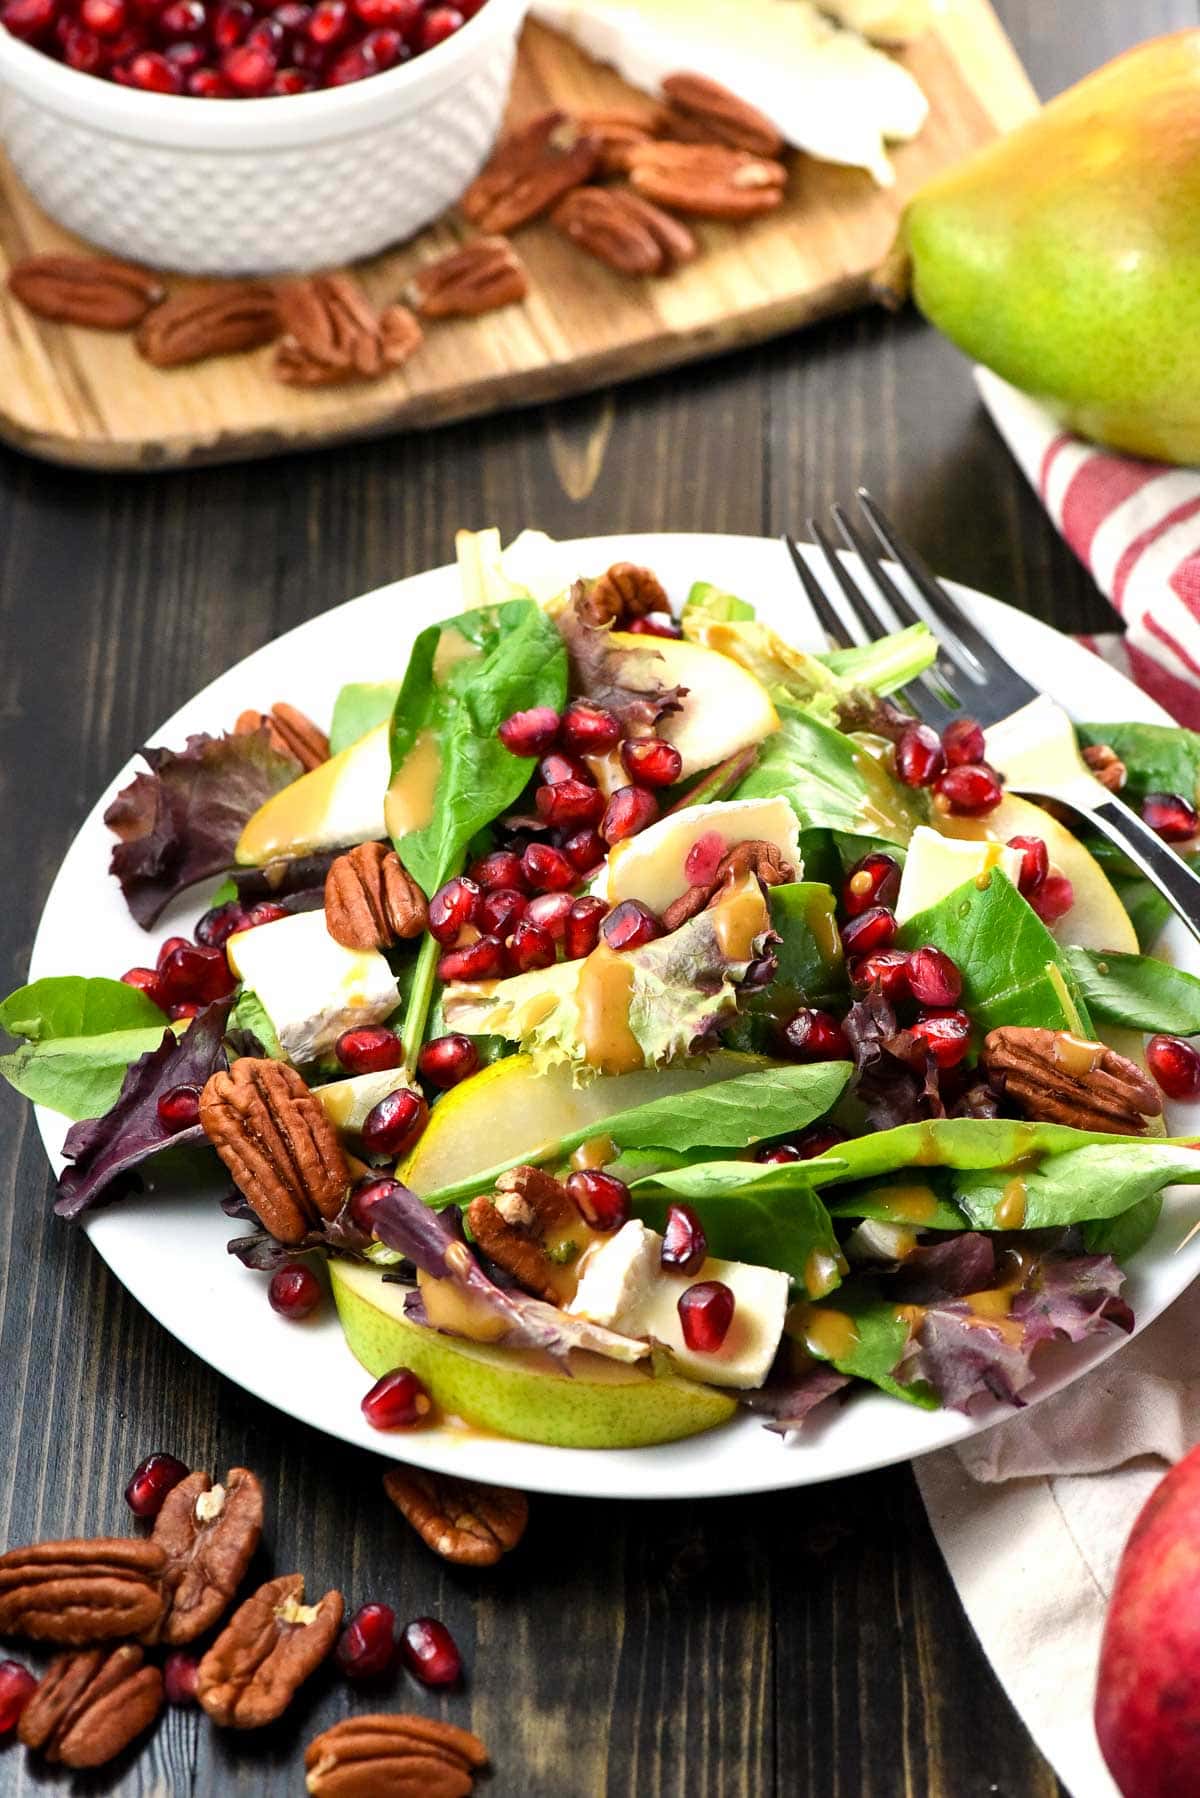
(234,49)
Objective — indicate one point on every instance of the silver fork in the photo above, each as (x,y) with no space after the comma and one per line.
(1030,738)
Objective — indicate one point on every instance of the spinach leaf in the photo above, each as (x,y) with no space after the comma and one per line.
(862,1334)
(250,1014)
(358,708)
(1003,952)
(78,1075)
(886,664)
(831,782)
(811,968)
(1123,1236)
(921,1204)
(1097,1180)
(76,1005)
(795,1235)
(1138,990)
(1158,758)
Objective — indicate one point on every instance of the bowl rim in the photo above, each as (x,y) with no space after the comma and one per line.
(184,121)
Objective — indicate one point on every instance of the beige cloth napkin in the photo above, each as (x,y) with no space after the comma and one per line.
(1032,1517)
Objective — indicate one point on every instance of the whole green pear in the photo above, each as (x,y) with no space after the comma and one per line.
(1066,256)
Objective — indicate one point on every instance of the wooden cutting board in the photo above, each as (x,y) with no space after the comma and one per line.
(85,397)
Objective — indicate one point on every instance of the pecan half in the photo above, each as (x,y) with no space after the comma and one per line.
(393,1754)
(219,320)
(528,171)
(266,1652)
(751,857)
(90,1706)
(623,230)
(333,335)
(86,290)
(1106,765)
(707,179)
(461,1520)
(616,133)
(371,901)
(209,1534)
(485,274)
(511,1226)
(291,731)
(622,593)
(721,115)
(1058,1079)
(274,1137)
(81,1591)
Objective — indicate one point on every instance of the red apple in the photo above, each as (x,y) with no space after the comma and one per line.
(1148,1687)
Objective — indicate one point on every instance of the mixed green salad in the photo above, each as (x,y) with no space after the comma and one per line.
(631,1017)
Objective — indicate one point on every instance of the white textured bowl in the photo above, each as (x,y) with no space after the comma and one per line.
(227,187)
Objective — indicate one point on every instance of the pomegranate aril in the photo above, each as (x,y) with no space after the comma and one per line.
(889,968)
(933,978)
(556,767)
(220,923)
(531,732)
(394,1125)
(684,1244)
(148,981)
(364,1199)
(704,858)
(1171,816)
(501,910)
(400,15)
(179,1677)
(816,1036)
(179,1107)
(292,81)
(195,972)
(17,1686)
(208,84)
(354,64)
(585,850)
(1053,899)
(1035,863)
(249,68)
(582,931)
(265,912)
(452,908)
(655,624)
(439,23)
(186,1008)
(549,911)
(705,1314)
(294,1292)
(387,47)
(107,18)
(589,729)
(482,960)
(970,789)
(430,1653)
(372,1049)
(629,810)
(963,741)
(398,1401)
(629,925)
(29,19)
(946,1035)
(601,1199)
(367,1646)
(185,56)
(151,70)
(232,21)
(183,18)
(546,869)
(875,880)
(869,932)
(651,761)
(81,49)
(446,1060)
(570,803)
(1175,1065)
(818,1141)
(920,757)
(169,947)
(293,16)
(150,1482)
(502,868)
(778,1154)
(530,948)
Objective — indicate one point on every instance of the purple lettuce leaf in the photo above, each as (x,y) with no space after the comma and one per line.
(104,1151)
(622,681)
(787,1400)
(897,1079)
(180,823)
(939,1271)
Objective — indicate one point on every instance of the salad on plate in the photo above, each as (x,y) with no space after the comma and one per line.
(633,1018)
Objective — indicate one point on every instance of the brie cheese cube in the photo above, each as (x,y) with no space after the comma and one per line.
(617,1274)
(936,866)
(346,1103)
(311,988)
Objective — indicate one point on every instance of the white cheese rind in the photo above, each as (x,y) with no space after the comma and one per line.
(617,1274)
(937,866)
(745,1357)
(311,988)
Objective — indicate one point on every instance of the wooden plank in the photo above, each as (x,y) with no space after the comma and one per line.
(86,397)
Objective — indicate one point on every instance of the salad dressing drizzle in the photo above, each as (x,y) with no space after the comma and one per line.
(738,918)
(829,1334)
(409,801)
(907,1203)
(1075,1055)
(1010,1212)
(603,996)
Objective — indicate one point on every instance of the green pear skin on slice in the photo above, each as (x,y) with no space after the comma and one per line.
(516,1392)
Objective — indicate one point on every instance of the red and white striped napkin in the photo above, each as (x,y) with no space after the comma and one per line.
(1135,526)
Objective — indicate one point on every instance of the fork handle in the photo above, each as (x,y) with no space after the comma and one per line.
(1179,886)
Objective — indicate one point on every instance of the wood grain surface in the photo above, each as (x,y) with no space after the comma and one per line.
(87,397)
(807,1645)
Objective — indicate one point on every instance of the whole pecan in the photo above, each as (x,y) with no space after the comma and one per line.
(480,277)
(332,334)
(623,230)
(721,116)
(616,133)
(461,1520)
(290,730)
(89,1706)
(751,857)
(393,1754)
(1057,1079)
(274,1137)
(371,901)
(86,290)
(209,1534)
(218,320)
(79,1591)
(708,180)
(511,1226)
(266,1652)
(1106,765)
(528,171)
(622,593)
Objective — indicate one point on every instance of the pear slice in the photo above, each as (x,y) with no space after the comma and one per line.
(347,1103)
(726,708)
(651,865)
(340,802)
(517,1392)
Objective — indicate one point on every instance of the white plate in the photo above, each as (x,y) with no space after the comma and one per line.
(170,1253)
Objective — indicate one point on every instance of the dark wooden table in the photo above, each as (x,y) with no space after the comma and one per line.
(807,1643)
